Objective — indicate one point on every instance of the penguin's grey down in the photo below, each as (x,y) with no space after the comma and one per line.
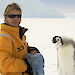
(65,55)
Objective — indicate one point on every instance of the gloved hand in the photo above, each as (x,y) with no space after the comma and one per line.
(22,30)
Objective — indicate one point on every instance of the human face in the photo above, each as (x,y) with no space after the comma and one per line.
(13,21)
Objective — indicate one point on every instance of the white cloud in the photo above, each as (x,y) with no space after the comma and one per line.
(66,6)
(34,8)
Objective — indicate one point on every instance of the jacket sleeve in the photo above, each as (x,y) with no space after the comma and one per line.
(9,63)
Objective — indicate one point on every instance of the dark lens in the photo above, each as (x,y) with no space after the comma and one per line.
(13,16)
(18,16)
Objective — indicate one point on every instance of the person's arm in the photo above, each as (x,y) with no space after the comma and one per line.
(9,63)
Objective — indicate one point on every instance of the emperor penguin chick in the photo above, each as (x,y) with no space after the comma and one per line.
(65,55)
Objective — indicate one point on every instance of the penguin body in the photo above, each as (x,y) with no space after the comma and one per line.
(66,55)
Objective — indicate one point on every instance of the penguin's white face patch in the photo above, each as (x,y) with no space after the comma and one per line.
(58,43)
(58,39)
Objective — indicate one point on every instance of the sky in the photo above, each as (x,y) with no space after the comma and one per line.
(43,8)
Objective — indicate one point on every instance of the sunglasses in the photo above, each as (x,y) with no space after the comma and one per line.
(14,15)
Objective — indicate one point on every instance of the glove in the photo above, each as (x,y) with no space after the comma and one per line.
(22,30)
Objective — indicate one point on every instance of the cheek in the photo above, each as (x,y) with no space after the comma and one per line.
(58,44)
(19,21)
(8,20)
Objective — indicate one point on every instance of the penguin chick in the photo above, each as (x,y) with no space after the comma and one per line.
(65,55)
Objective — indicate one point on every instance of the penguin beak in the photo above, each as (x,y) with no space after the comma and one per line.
(54,41)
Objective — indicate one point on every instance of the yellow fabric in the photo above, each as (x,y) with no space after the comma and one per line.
(14,73)
(12,51)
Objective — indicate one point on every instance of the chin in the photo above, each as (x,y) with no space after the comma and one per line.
(15,25)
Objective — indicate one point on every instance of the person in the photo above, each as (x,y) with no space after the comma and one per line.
(36,60)
(13,45)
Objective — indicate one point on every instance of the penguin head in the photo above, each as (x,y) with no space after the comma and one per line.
(57,40)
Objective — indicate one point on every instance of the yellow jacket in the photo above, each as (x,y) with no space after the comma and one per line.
(12,51)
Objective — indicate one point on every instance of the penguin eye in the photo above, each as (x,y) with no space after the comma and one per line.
(57,39)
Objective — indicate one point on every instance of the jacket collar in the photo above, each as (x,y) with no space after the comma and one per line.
(6,27)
